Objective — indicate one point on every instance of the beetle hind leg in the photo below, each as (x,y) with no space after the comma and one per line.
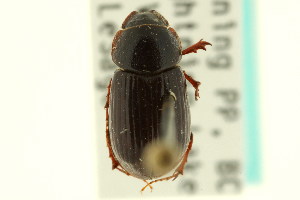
(148,184)
(179,169)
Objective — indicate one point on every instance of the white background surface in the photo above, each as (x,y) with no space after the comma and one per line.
(46,95)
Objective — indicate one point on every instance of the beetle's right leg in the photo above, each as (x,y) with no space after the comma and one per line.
(194,83)
(193,49)
(180,168)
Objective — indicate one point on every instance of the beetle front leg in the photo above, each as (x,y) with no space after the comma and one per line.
(193,49)
(194,83)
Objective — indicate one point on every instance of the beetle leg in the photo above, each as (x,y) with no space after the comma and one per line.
(179,169)
(148,185)
(115,163)
(199,45)
(123,170)
(194,83)
(128,174)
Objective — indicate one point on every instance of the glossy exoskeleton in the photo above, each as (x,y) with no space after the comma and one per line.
(147,109)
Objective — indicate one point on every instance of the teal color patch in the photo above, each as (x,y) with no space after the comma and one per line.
(253,159)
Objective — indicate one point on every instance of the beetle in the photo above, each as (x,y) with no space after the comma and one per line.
(147,109)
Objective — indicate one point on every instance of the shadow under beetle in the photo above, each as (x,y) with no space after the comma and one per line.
(147,110)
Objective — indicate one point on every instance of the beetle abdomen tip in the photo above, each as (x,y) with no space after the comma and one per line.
(159,158)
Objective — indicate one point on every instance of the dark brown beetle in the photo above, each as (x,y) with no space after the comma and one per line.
(148,131)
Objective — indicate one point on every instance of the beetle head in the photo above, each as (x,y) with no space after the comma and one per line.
(140,18)
(146,43)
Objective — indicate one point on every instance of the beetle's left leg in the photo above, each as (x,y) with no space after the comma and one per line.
(148,184)
(179,169)
(199,45)
(194,83)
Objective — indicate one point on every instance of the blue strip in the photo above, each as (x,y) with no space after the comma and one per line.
(253,160)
